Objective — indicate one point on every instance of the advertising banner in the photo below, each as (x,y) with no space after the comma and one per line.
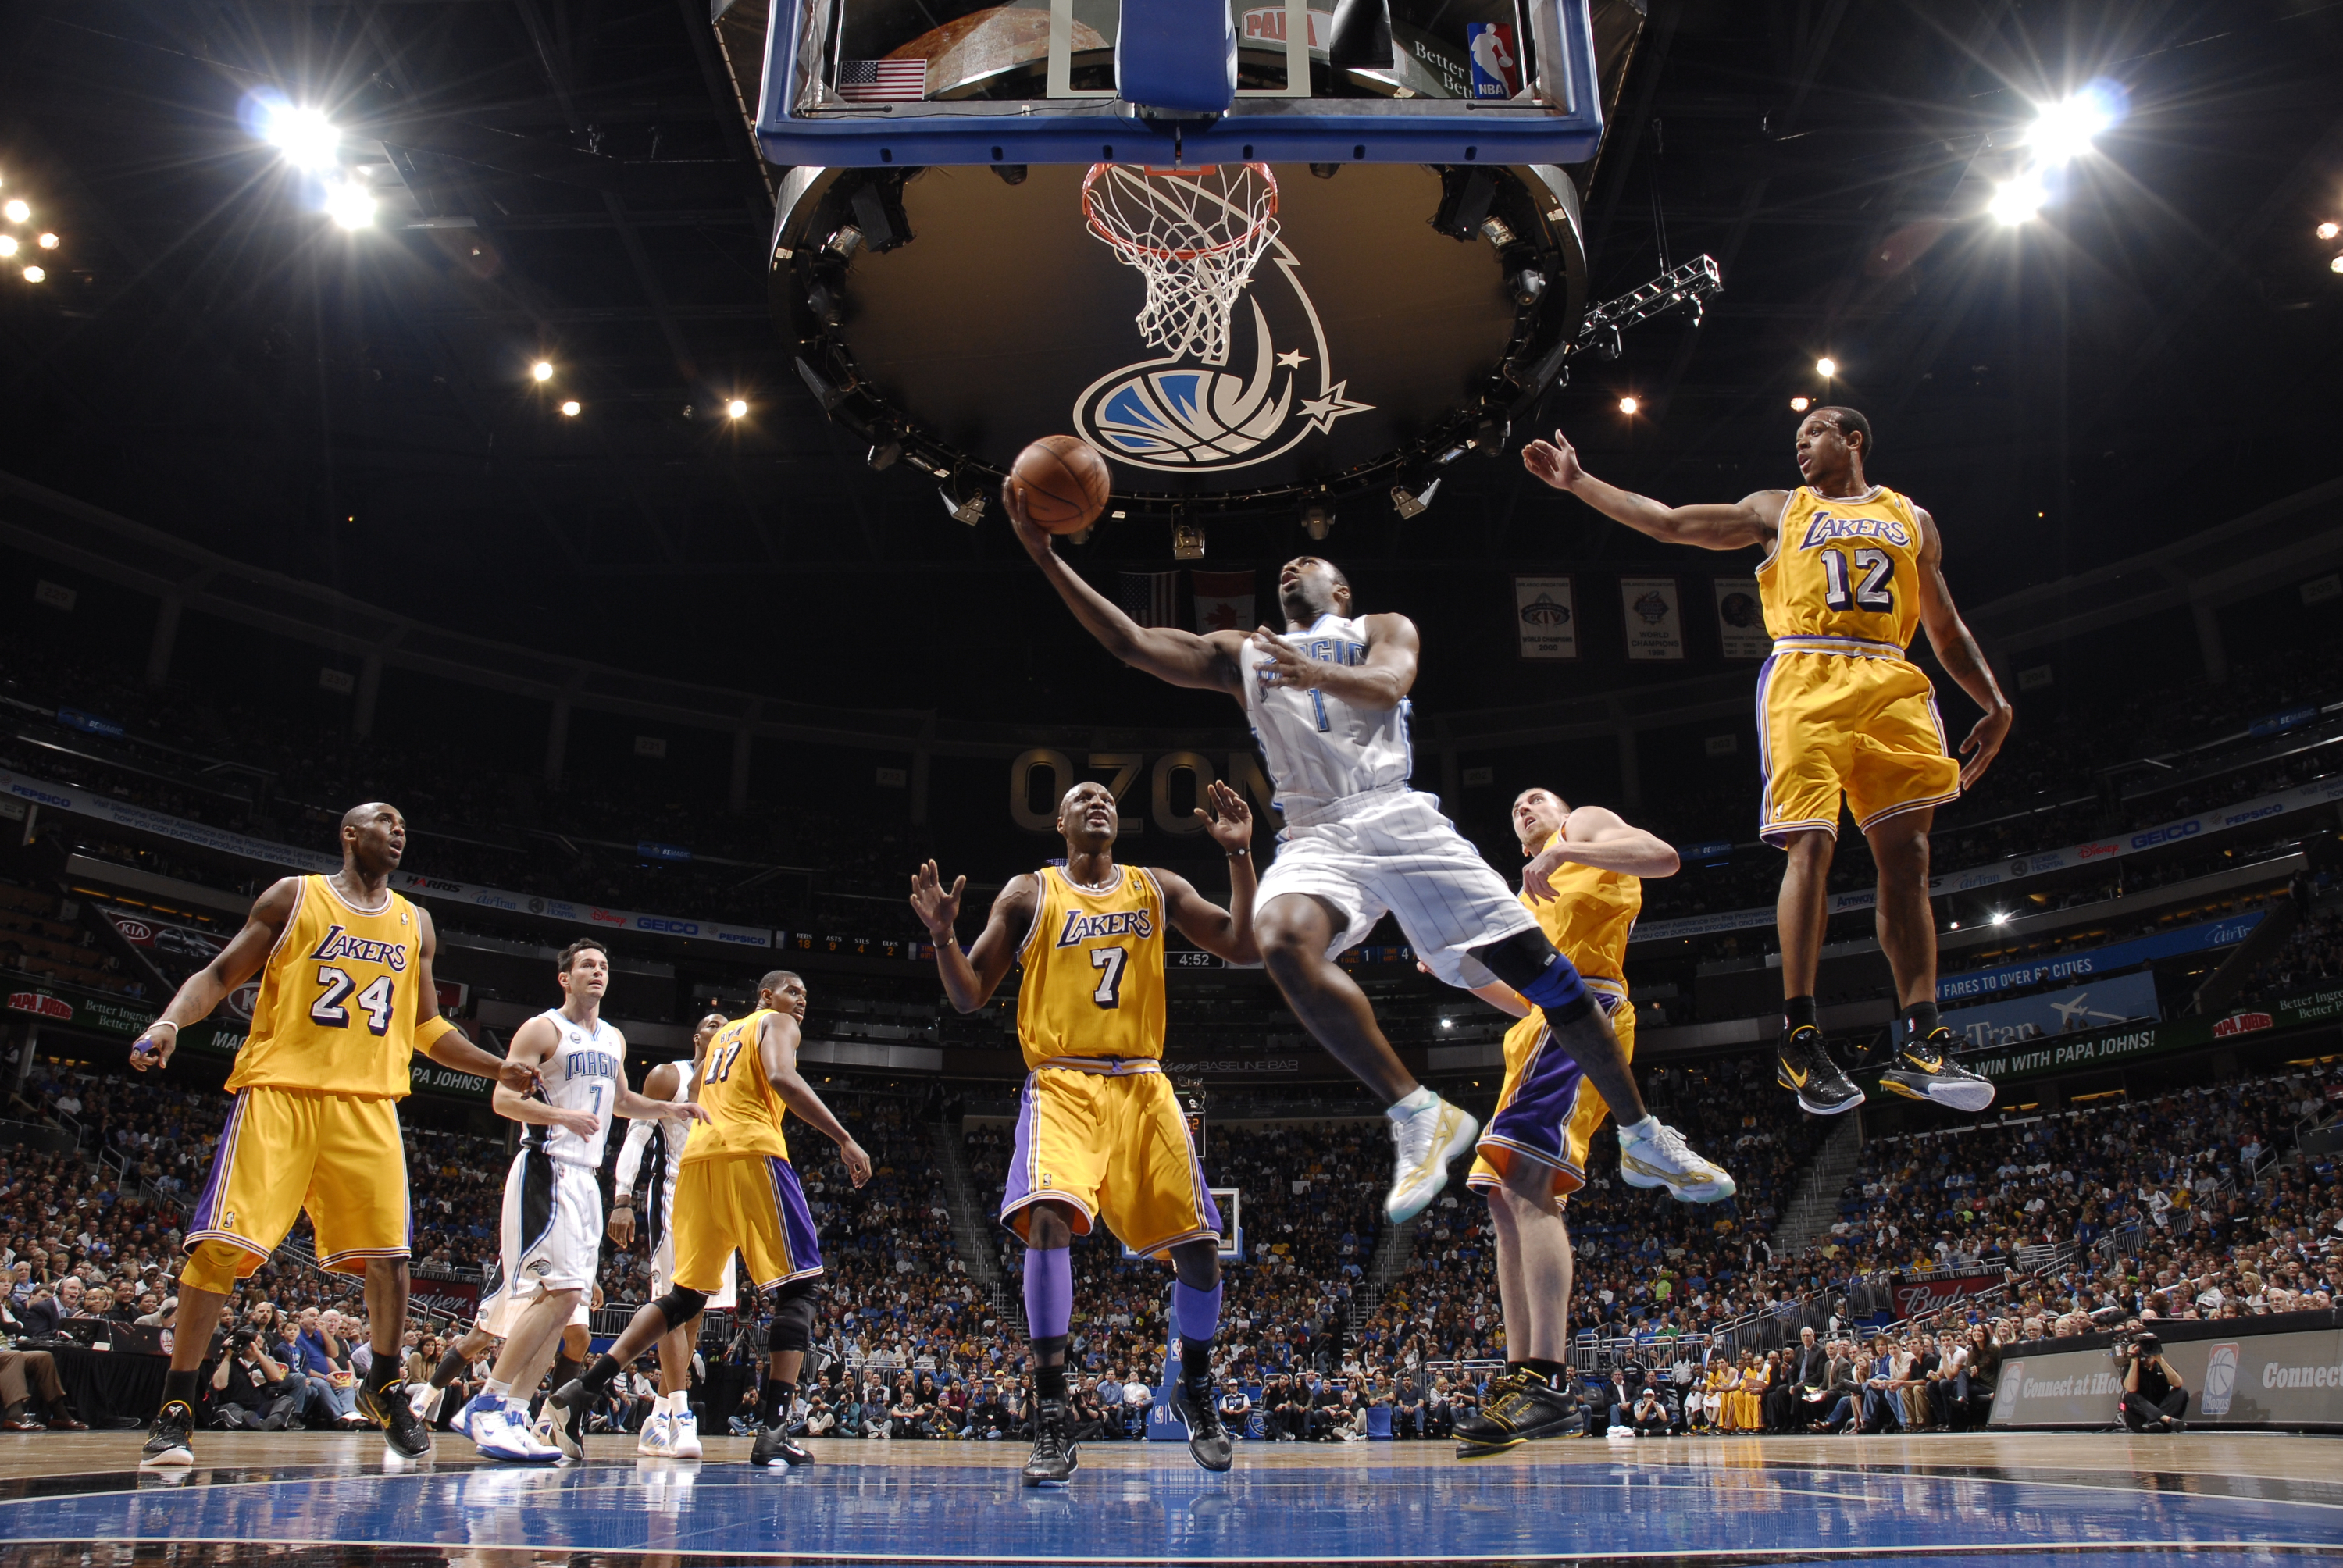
(1655,619)
(2119,1000)
(2284,1371)
(2107,960)
(1740,619)
(1916,1295)
(445,1295)
(1546,618)
(2113,1047)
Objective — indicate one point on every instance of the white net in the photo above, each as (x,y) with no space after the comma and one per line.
(1194,234)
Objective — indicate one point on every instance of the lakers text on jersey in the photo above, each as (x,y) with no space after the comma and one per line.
(736,1189)
(1547,1112)
(1841,713)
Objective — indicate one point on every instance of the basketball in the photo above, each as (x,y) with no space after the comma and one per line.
(1063,482)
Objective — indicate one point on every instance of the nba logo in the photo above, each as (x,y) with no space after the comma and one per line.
(1496,63)
(2220,1380)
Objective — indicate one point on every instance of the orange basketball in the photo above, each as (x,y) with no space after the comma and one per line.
(1062,483)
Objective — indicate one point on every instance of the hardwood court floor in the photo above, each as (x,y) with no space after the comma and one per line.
(2031,1500)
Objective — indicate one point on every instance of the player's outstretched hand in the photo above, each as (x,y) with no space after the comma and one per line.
(1230,820)
(518,1075)
(153,1050)
(1030,533)
(1984,742)
(584,1123)
(1288,665)
(622,1223)
(1537,876)
(691,1111)
(937,909)
(858,1163)
(1556,462)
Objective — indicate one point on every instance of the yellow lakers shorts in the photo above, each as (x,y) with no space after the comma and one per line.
(286,1149)
(751,1203)
(1841,715)
(1108,1142)
(1547,1112)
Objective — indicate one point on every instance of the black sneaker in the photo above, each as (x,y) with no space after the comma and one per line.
(773,1443)
(1208,1436)
(167,1449)
(1521,1407)
(1925,1070)
(389,1409)
(566,1408)
(1802,1063)
(1055,1455)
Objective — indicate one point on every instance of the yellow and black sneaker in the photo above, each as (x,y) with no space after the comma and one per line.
(1803,1064)
(1521,1408)
(167,1449)
(1925,1070)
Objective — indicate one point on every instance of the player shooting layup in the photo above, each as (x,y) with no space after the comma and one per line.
(1328,703)
(1100,1134)
(672,1431)
(346,999)
(737,1191)
(1583,883)
(1851,571)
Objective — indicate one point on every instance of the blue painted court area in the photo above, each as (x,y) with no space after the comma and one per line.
(1516,1508)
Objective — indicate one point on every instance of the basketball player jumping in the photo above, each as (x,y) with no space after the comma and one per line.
(1100,1134)
(737,1191)
(1851,571)
(552,1221)
(1584,884)
(1328,703)
(672,1431)
(346,999)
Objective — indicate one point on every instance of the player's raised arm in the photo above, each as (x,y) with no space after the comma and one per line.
(1957,651)
(1751,520)
(777,1054)
(1209,662)
(438,1038)
(970,977)
(532,1044)
(230,968)
(1592,836)
(1379,681)
(1225,933)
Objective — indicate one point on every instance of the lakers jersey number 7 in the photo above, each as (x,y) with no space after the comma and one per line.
(1844,567)
(336,1012)
(1093,962)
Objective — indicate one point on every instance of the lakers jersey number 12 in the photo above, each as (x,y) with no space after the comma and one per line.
(1093,961)
(1844,567)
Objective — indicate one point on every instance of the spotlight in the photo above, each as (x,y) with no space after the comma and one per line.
(883,453)
(2017,201)
(737,408)
(2001,917)
(34,275)
(2063,132)
(47,242)
(1827,367)
(16,210)
(306,138)
(1187,542)
(572,408)
(2330,230)
(1317,521)
(1629,405)
(969,512)
(349,204)
(2336,265)
(1413,504)
(1526,286)
(8,245)
(1800,405)
(541,371)
(1448,1023)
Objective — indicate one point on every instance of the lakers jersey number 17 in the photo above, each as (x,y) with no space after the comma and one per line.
(744,1111)
(1844,567)
(1093,961)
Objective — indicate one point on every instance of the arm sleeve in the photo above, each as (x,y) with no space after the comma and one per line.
(631,1155)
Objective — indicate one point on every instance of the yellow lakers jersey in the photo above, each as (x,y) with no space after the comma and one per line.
(336,1008)
(1093,963)
(1589,919)
(1845,568)
(744,1110)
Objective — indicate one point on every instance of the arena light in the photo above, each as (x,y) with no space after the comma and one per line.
(349,204)
(47,242)
(2001,917)
(572,408)
(2336,265)
(306,138)
(34,275)
(738,408)
(8,245)
(17,210)
(1827,367)
(1800,405)
(2330,230)
(2017,201)
(540,371)
(2064,131)
(1628,406)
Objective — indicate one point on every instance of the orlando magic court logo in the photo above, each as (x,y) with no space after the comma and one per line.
(1183,414)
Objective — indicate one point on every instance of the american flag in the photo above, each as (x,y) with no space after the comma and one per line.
(1150,599)
(882,81)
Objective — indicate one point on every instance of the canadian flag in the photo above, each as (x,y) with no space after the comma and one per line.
(1225,601)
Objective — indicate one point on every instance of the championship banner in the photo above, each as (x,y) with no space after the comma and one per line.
(2001,1024)
(1655,619)
(1740,619)
(1224,600)
(1546,615)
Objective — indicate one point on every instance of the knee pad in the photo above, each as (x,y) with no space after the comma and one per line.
(792,1326)
(680,1306)
(1532,965)
(214,1266)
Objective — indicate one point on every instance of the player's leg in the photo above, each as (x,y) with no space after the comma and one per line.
(357,1202)
(1902,774)
(1804,728)
(528,1351)
(1057,1164)
(779,1242)
(1155,1197)
(1534,1275)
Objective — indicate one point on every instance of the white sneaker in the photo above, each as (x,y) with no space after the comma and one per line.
(1663,1159)
(1424,1142)
(657,1441)
(479,1405)
(683,1428)
(503,1434)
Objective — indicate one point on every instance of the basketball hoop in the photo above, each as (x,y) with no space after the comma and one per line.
(1194,234)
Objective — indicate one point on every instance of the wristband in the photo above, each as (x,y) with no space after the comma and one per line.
(625,1197)
(1240,854)
(430,1032)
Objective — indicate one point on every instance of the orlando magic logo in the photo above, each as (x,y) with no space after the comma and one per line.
(1183,414)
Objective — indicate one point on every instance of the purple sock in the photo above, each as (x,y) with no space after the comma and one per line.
(1195,1313)
(1049,1292)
